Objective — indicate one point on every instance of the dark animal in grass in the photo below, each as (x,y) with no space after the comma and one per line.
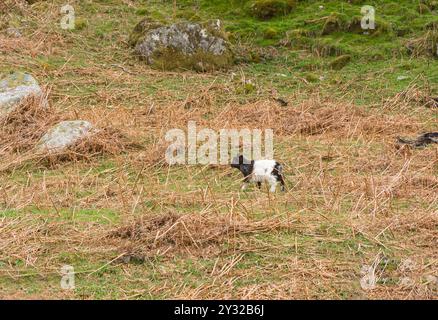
(421,141)
(258,171)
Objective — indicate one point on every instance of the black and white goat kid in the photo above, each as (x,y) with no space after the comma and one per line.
(258,171)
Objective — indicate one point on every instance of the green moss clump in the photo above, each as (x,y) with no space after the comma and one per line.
(170,59)
(354,25)
(311,77)
(381,26)
(340,62)
(246,87)
(334,23)
(80,24)
(270,33)
(267,9)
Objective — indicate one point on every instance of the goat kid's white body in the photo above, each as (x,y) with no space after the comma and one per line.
(263,172)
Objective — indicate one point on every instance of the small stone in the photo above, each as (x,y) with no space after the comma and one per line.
(400,78)
(431,279)
(14,88)
(365,269)
(13,32)
(407,265)
(63,135)
(406,282)
(368,282)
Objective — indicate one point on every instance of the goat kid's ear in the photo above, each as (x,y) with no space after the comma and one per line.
(243,160)
(235,162)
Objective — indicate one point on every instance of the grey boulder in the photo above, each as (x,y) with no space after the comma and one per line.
(64,135)
(184,45)
(14,88)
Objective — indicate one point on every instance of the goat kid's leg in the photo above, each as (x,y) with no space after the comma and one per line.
(283,189)
(273,186)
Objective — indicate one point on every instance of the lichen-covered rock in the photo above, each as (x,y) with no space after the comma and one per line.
(64,135)
(141,29)
(14,88)
(185,45)
(13,32)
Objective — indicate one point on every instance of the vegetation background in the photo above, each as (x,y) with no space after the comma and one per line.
(134,228)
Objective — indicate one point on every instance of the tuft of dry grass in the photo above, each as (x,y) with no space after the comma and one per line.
(196,234)
(417,93)
(26,124)
(425,45)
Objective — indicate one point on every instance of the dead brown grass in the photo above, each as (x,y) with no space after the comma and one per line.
(141,229)
(417,93)
(26,124)
(12,5)
(425,45)
(314,116)
(22,128)
(194,234)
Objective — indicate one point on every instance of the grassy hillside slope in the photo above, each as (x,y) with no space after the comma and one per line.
(134,228)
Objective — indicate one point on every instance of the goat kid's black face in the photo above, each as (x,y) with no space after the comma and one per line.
(238,161)
(244,165)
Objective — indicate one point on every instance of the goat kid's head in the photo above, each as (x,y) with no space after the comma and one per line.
(243,164)
(238,161)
